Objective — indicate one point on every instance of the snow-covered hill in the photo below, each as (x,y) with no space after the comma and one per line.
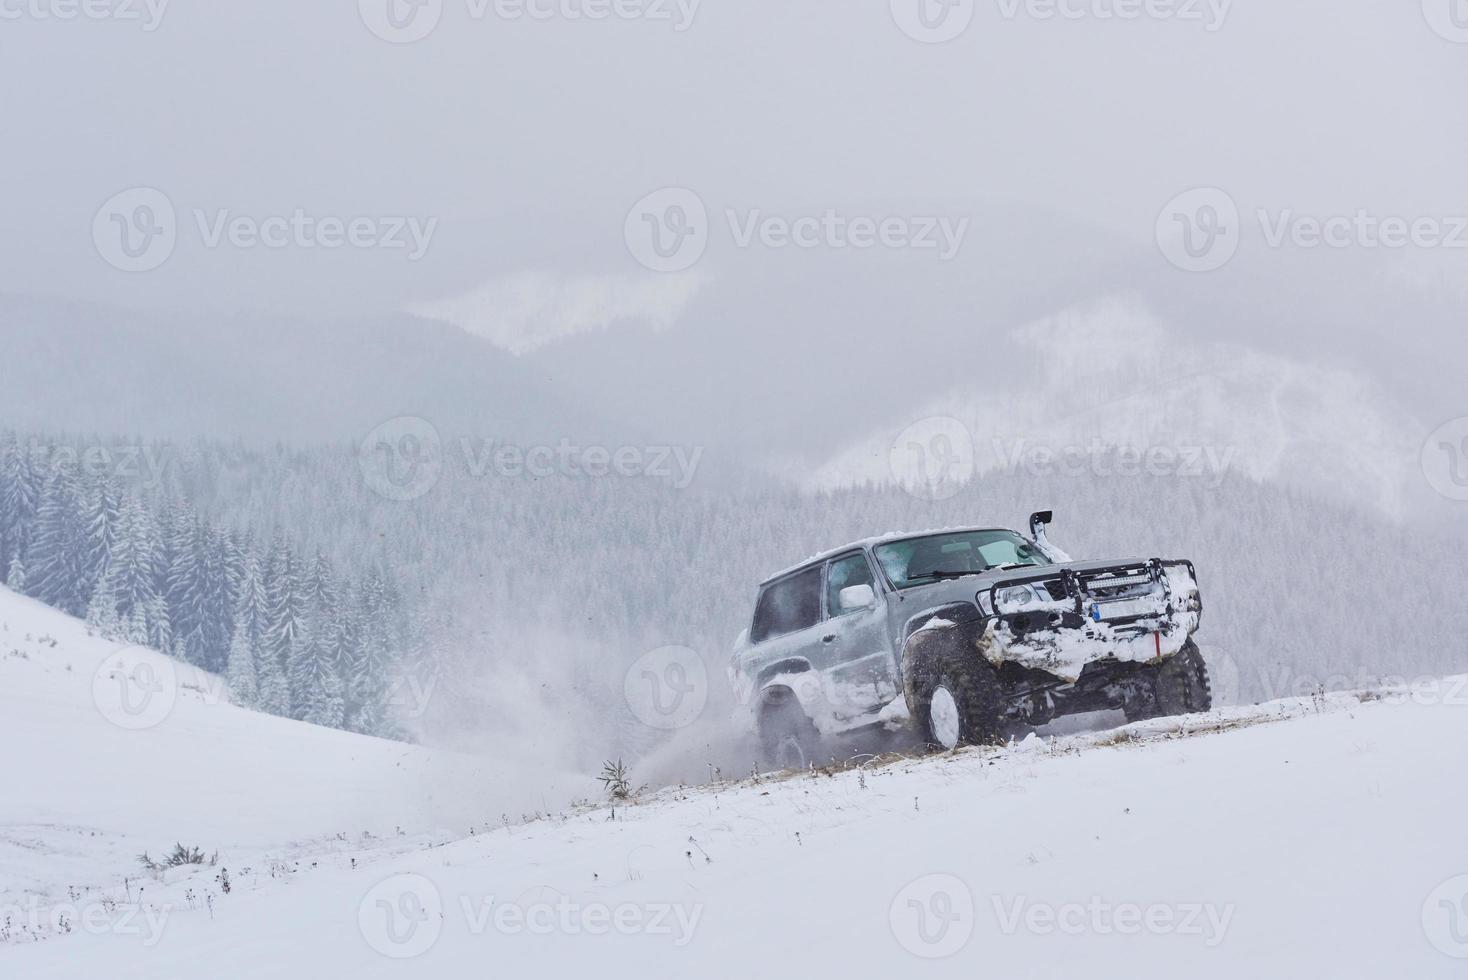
(112,751)
(1318,837)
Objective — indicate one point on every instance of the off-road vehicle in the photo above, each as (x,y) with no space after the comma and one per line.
(966,635)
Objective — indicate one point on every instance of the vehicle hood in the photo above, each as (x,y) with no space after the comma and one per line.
(965,589)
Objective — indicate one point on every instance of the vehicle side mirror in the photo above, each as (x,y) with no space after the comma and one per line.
(857,597)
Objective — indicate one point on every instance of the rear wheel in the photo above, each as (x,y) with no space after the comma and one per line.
(787,734)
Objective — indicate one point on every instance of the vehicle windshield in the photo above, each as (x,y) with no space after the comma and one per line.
(920,561)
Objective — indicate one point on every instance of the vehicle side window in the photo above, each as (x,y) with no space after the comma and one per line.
(844,573)
(791,604)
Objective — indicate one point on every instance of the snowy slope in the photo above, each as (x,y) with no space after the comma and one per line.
(90,781)
(1305,837)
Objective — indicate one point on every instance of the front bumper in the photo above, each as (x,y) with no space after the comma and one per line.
(1129,612)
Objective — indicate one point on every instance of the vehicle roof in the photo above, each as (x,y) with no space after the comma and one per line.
(867,543)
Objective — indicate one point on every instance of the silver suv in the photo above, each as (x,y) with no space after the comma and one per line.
(964,635)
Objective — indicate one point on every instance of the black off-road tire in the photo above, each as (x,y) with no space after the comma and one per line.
(1181,683)
(787,735)
(941,669)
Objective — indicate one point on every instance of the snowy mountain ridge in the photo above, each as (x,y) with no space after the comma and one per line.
(1116,377)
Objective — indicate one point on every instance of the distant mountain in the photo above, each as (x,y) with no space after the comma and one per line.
(1109,376)
(75,367)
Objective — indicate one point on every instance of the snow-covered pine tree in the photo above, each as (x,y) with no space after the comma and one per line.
(216,602)
(371,661)
(240,673)
(102,611)
(20,492)
(134,572)
(15,578)
(315,680)
(184,586)
(285,614)
(101,509)
(56,552)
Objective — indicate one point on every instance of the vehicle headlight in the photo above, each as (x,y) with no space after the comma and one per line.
(1017,595)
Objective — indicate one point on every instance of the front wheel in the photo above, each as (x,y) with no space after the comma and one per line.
(953,694)
(1180,686)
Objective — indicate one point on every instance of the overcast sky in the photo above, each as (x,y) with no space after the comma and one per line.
(532,137)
